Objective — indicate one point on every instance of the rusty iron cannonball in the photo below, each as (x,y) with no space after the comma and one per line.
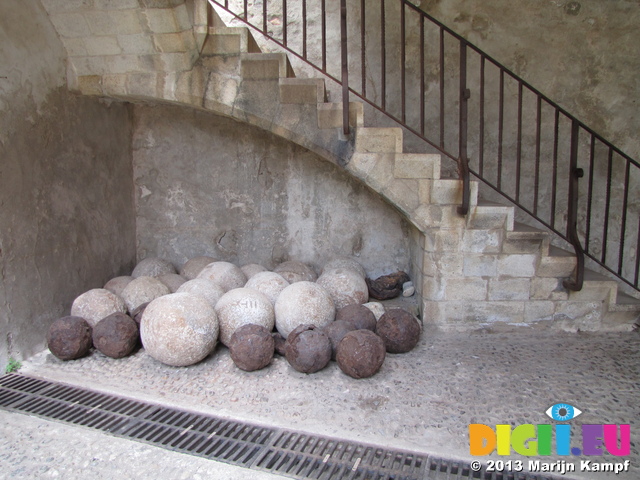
(69,338)
(280,343)
(359,315)
(360,353)
(251,347)
(116,335)
(336,332)
(399,330)
(137,313)
(308,349)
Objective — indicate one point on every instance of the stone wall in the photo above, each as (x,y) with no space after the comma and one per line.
(208,185)
(66,203)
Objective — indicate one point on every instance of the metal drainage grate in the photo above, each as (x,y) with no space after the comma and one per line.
(278,451)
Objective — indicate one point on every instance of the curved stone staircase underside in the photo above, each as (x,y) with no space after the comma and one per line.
(471,272)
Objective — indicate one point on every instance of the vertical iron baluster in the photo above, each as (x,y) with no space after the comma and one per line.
(592,151)
(304,29)
(324,36)
(345,67)
(519,144)
(403,92)
(383,55)
(264,16)
(481,132)
(605,230)
(500,127)
(441,87)
(575,174)
(536,181)
(422,79)
(623,227)
(463,161)
(637,275)
(554,178)
(284,22)
(363,58)
(245,10)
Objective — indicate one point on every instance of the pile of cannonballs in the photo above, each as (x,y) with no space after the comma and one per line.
(179,317)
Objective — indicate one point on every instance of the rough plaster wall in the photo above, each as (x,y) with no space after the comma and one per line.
(66,203)
(210,185)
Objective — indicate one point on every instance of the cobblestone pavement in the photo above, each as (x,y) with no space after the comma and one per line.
(423,400)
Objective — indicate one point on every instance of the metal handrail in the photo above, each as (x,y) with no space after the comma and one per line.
(553,172)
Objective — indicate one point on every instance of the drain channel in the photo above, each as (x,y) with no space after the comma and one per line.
(273,450)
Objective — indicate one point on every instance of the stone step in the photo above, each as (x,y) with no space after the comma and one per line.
(378,140)
(596,287)
(526,239)
(229,41)
(265,66)
(330,115)
(417,165)
(449,192)
(302,90)
(558,263)
(488,216)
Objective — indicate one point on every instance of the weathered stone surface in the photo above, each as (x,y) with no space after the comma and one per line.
(172,281)
(204,287)
(294,271)
(69,338)
(251,347)
(251,269)
(153,267)
(269,284)
(361,353)
(358,315)
(142,290)
(387,286)
(192,267)
(336,332)
(308,349)
(345,286)
(116,335)
(117,284)
(225,274)
(179,329)
(303,303)
(399,330)
(241,306)
(345,262)
(96,304)
(376,307)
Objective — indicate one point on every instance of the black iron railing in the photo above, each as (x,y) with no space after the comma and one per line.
(472,109)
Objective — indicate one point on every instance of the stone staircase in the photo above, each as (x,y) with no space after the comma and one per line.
(478,271)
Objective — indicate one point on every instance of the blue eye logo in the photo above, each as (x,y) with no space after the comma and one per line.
(563,412)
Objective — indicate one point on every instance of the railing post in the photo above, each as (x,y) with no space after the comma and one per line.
(572,217)
(463,160)
(345,67)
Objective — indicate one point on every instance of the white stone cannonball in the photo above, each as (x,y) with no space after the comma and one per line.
(142,290)
(303,303)
(192,267)
(270,284)
(345,286)
(153,267)
(96,304)
(377,308)
(179,329)
(345,262)
(225,274)
(117,284)
(210,291)
(251,269)
(294,271)
(172,280)
(241,306)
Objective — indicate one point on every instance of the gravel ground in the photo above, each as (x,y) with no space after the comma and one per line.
(423,400)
